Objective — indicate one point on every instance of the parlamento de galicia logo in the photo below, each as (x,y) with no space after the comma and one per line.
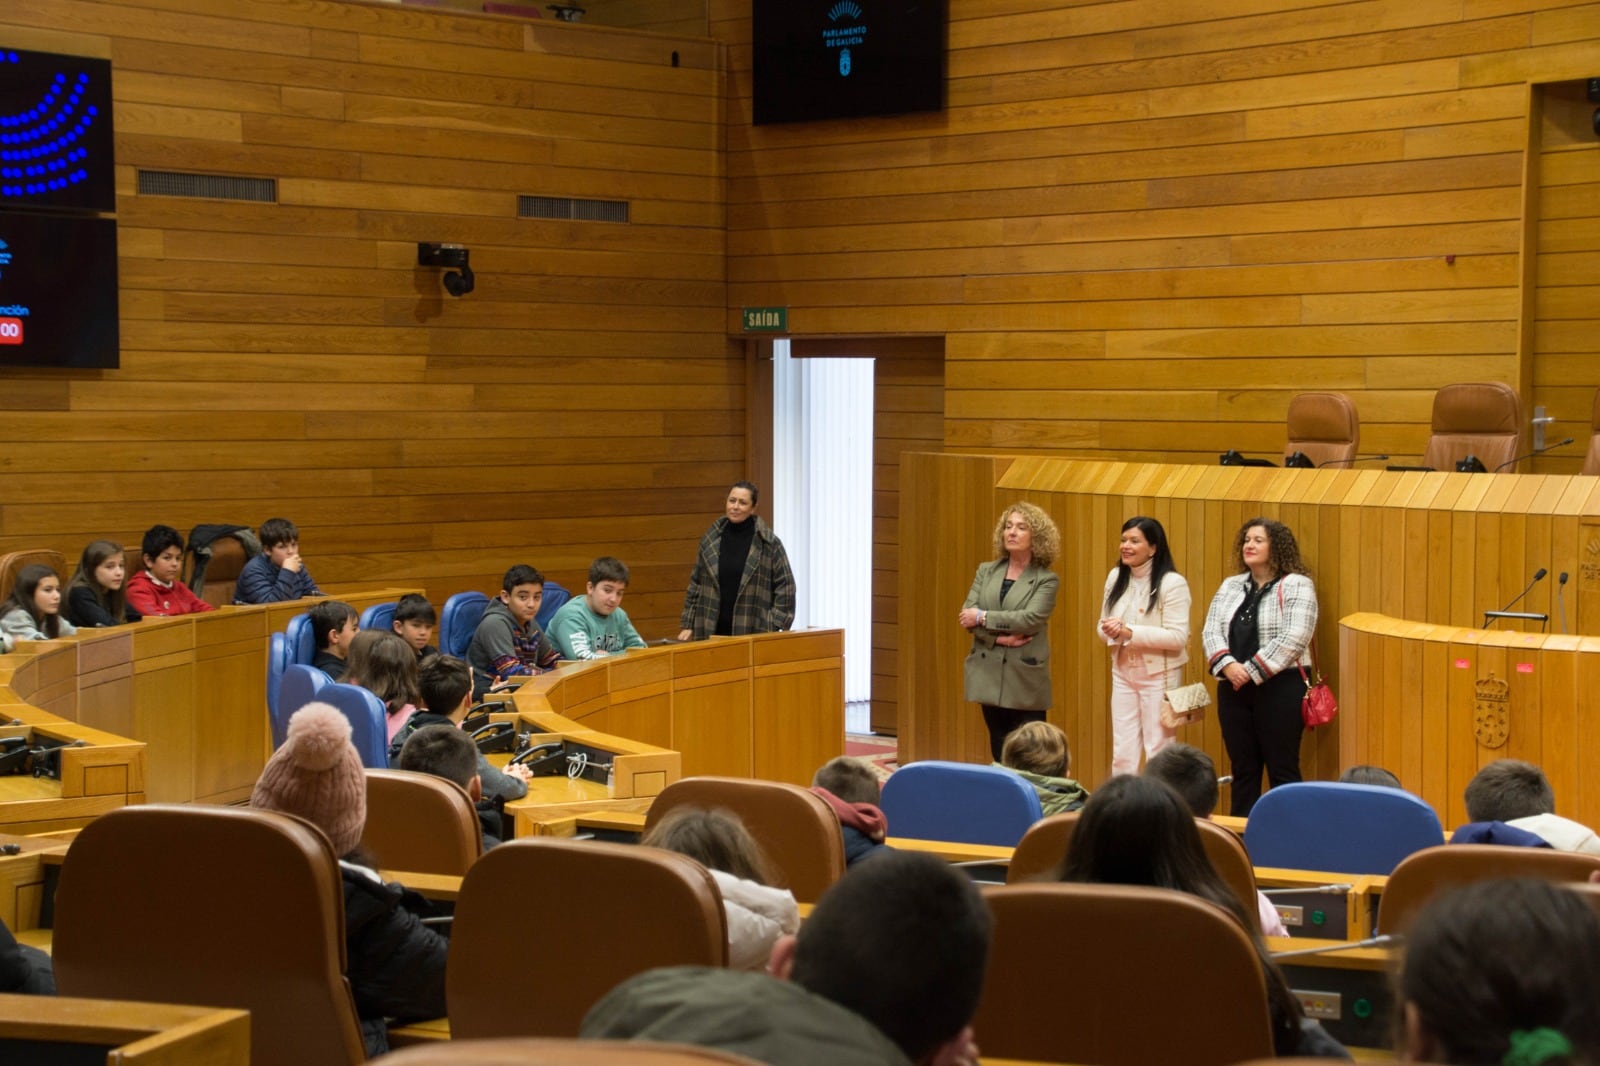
(846,32)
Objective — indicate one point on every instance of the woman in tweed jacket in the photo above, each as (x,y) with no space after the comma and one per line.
(1257,633)
(740,552)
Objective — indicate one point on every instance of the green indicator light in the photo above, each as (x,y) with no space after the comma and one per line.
(1361,1008)
(1319,918)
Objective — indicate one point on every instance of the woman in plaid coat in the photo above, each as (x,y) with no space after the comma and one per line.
(739,552)
(1257,633)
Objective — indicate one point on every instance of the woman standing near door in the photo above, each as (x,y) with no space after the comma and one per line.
(1007,610)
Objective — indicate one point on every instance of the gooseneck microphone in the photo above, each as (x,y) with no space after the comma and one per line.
(1490,617)
(1530,455)
(1352,459)
(1561,599)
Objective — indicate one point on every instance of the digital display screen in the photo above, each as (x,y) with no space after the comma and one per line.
(821,59)
(58,290)
(55,132)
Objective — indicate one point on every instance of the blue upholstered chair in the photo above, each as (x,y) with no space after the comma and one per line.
(554,596)
(302,641)
(277,662)
(379,616)
(959,802)
(1338,828)
(301,685)
(458,620)
(368,722)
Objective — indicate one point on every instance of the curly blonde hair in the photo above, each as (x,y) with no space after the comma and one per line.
(1283,552)
(1046,537)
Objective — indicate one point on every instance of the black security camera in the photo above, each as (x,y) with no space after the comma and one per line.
(457,282)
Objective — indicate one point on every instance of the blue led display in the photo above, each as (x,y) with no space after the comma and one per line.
(55,132)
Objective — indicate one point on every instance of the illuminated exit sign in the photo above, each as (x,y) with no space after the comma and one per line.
(766,320)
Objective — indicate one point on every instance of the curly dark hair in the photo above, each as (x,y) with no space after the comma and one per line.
(1284,553)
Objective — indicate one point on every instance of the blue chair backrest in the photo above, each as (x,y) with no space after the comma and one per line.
(378,616)
(959,802)
(277,663)
(301,685)
(458,620)
(368,722)
(1345,829)
(554,596)
(302,641)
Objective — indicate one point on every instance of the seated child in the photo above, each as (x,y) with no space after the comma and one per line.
(1501,971)
(278,573)
(395,964)
(445,751)
(414,620)
(333,628)
(1370,775)
(156,590)
(1510,794)
(851,788)
(508,642)
(95,595)
(1037,753)
(1190,773)
(594,624)
(382,664)
(34,610)
(758,914)
(445,684)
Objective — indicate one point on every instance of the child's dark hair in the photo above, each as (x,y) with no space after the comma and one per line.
(28,581)
(608,568)
(414,607)
(385,666)
(716,839)
(327,617)
(114,601)
(1370,775)
(1190,773)
(850,778)
(521,574)
(443,751)
(1499,964)
(443,682)
(276,531)
(158,539)
(1507,789)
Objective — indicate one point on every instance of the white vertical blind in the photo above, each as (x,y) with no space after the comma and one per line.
(822,498)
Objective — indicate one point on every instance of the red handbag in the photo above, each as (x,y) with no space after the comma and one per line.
(1317,706)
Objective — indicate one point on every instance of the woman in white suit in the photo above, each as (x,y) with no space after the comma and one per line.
(1145,620)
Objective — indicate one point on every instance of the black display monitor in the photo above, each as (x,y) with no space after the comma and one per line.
(822,59)
(58,290)
(55,132)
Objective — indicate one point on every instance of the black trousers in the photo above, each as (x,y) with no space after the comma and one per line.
(1001,721)
(1261,727)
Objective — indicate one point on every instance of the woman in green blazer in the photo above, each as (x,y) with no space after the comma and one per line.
(1008,612)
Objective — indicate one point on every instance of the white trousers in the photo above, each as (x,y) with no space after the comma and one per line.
(1136,710)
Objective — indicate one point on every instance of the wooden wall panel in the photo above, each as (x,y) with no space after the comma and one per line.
(1142,228)
(291,358)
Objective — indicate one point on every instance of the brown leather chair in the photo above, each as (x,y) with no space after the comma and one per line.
(1140,953)
(228,557)
(1433,870)
(214,906)
(1324,427)
(419,823)
(1591,461)
(1042,848)
(591,914)
(794,826)
(1481,418)
(12,563)
(539,1052)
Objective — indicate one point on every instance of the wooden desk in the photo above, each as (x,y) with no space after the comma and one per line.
(134,1034)
(1348,990)
(768,706)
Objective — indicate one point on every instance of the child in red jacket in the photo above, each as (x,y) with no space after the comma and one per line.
(156,590)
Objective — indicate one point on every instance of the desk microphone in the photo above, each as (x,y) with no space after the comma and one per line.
(1530,455)
(1561,600)
(1352,459)
(1490,617)
(1381,941)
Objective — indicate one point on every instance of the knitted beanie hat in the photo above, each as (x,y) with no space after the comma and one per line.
(317,775)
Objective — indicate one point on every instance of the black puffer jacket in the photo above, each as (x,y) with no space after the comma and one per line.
(395,964)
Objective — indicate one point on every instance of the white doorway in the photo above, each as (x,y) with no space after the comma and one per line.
(822,464)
